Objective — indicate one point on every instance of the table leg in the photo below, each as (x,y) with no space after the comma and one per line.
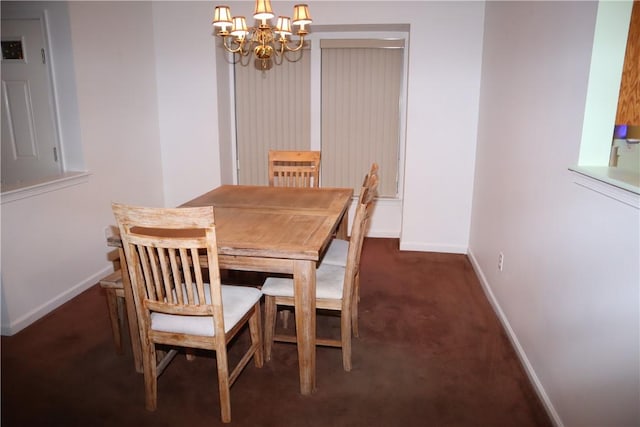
(304,284)
(132,317)
(342,232)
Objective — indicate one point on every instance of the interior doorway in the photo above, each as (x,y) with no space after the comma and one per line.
(30,144)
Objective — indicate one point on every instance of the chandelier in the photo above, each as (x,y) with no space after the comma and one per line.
(263,39)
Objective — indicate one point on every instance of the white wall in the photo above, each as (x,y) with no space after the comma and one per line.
(147,94)
(569,291)
(147,88)
(187,98)
(445,49)
(53,244)
(444,83)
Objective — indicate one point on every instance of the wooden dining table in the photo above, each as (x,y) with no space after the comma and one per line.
(275,230)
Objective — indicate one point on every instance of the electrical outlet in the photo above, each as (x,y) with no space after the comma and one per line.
(500,261)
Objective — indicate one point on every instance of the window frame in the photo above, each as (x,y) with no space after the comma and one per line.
(331,32)
(395,31)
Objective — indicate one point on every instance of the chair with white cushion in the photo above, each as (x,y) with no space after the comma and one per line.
(293,169)
(172,260)
(338,250)
(334,287)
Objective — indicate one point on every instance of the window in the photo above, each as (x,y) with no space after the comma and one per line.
(625,152)
(609,46)
(344,96)
(605,76)
(361,87)
(272,112)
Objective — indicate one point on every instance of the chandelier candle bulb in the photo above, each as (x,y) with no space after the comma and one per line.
(283,27)
(301,17)
(222,19)
(267,43)
(263,10)
(239,28)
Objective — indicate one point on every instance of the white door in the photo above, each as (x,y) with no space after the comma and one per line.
(29,136)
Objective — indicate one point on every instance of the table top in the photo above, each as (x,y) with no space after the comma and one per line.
(275,222)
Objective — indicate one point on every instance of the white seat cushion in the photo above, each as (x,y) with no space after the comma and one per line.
(329,283)
(236,302)
(336,253)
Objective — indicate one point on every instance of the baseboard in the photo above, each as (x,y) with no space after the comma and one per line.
(22,322)
(422,247)
(555,418)
(384,234)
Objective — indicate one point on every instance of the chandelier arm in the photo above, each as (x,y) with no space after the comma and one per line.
(227,45)
(278,57)
(284,45)
(281,47)
(247,51)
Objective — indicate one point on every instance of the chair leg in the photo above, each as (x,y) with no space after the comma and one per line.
(269,324)
(354,317)
(345,338)
(223,383)
(284,316)
(150,375)
(112,304)
(354,306)
(255,330)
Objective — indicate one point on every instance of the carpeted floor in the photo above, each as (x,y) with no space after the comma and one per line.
(431,352)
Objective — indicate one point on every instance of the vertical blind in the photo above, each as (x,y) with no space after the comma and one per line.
(272,112)
(361,87)
(361,81)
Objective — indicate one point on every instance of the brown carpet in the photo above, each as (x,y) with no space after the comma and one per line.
(431,352)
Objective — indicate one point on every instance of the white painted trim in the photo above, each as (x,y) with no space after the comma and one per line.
(22,322)
(65,180)
(388,234)
(609,182)
(429,247)
(515,342)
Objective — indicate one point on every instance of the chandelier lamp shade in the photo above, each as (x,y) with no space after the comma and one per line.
(264,40)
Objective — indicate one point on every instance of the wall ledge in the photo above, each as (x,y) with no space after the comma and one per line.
(13,193)
(620,185)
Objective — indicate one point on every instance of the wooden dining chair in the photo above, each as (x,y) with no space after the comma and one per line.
(294,168)
(172,261)
(334,287)
(338,250)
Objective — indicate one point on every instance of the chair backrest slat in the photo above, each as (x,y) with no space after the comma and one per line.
(294,168)
(173,275)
